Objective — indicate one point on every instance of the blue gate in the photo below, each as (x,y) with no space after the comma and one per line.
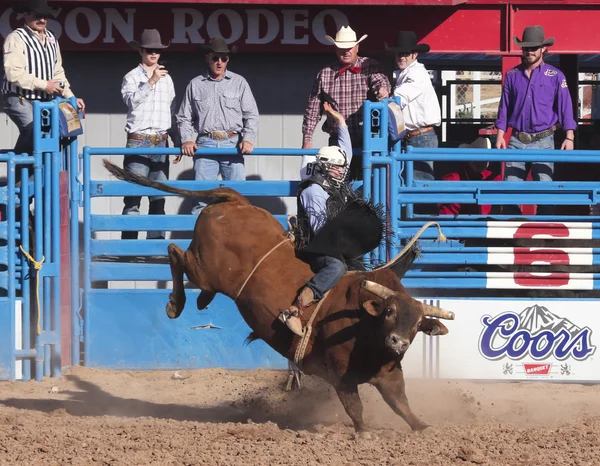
(117,326)
(30,250)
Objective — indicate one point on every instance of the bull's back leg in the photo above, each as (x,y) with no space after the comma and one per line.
(391,387)
(204,299)
(177,297)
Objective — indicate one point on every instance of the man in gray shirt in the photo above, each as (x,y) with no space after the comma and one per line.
(220,107)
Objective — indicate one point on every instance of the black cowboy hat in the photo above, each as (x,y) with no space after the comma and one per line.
(150,39)
(406,42)
(218,45)
(533,36)
(40,7)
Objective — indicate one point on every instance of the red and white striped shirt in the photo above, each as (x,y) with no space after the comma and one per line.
(346,93)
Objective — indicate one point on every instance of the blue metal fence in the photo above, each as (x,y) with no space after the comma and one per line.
(123,327)
(31,285)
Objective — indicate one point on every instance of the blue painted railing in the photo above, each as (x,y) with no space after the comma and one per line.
(43,193)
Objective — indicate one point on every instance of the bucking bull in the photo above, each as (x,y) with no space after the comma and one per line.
(362,330)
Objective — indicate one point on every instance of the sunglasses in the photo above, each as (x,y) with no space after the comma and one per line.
(223,58)
(38,16)
(404,54)
(152,51)
(531,49)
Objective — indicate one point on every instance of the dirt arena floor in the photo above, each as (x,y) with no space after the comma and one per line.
(222,417)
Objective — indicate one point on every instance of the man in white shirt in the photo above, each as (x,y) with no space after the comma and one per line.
(419,102)
(149,94)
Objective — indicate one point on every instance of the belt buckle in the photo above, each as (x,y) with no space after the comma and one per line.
(218,135)
(525,138)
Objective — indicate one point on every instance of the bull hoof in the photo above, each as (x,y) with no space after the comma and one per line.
(172,310)
(423,428)
(364,434)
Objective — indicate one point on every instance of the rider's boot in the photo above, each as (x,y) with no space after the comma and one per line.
(291,316)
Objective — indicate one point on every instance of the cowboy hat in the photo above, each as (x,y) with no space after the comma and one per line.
(218,45)
(479,143)
(406,42)
(40,7)
(533,36)
(150,39)
(345,38)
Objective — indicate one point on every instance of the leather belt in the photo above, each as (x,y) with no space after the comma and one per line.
(527,138)
(153,138)
(416,132)
(220,135)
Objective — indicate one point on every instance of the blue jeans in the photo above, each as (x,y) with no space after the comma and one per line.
(155,167)
(540,171)
(208,167)
(20,111)
(423,170)
(328,272)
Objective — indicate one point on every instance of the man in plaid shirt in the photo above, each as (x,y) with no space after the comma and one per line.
(149,94)
(345,85)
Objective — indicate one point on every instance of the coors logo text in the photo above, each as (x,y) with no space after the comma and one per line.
(535,333)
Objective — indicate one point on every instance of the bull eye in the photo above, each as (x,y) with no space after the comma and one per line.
(389,312)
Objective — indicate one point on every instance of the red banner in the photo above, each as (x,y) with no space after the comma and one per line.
(274,28)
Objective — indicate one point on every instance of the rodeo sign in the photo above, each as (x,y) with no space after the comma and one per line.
(512,340)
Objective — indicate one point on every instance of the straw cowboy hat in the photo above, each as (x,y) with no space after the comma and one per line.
(479,143)
(345,38)
(533,36)
(40,7)
(150,39)
(218,45)
(406,42)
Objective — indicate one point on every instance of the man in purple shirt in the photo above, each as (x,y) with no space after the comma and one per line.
(535,99)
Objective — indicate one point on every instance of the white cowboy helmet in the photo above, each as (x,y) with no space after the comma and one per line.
(345,38)
(330,157)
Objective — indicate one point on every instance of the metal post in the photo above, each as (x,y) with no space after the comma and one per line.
(408,170)
(25,270)
(366,159)
(86,251)
(46,280)
(11,249)
(56,360)
(74,198)
(39,253)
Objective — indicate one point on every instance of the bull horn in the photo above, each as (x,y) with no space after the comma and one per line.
(434,311)
(377,289)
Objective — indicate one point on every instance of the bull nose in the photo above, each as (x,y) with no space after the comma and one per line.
(398,343)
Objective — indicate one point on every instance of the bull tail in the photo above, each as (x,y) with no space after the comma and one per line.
(214,196)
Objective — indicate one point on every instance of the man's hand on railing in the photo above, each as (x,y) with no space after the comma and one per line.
(246,147)
(189,148)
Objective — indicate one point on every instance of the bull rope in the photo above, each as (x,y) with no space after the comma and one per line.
(258,263)
(301,348)
(441,238)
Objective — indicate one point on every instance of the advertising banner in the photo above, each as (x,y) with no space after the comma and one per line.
(550,340)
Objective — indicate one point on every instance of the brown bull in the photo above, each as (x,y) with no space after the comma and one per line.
(363,328)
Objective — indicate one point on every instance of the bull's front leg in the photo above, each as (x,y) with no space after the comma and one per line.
(391,386)
(348,394)
(177,297)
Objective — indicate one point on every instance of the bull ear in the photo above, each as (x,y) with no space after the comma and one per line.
(372,307)
(432,327)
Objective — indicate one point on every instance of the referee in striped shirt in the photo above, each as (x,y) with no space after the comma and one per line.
(33,70)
